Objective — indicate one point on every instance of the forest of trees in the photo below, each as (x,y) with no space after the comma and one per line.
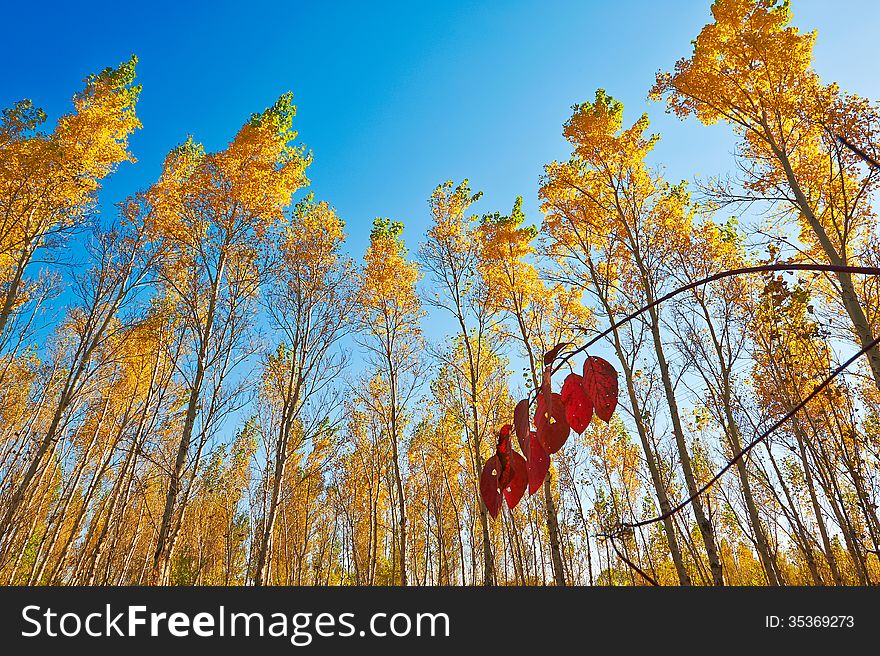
(215,391)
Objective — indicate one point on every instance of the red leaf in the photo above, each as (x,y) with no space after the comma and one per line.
(551,424)
(600,385)
(505,455)
(518,481)
(489,486)
(546,388)
(539,464)
(578,407)
(521,422)
(504,435)
(550,355)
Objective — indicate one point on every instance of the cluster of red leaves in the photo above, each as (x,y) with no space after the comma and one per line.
(507,473)
(504,475)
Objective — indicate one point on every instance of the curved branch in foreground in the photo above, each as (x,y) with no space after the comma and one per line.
(751,445)
(826,268)
(650,579)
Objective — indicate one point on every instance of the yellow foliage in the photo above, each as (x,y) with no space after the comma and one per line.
(48,181)
(752,69)
(212,210)
(388,283)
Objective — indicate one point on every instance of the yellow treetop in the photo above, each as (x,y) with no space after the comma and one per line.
(605,205)
(544,316)
(48,181)
(451,229)
(752,69)
(311,239)
(749,52)
(388,289)
(583,198)
(239,191)
(511,280)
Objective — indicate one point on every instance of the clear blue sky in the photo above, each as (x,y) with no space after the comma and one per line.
(396,97)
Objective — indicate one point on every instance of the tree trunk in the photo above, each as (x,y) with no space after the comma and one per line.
(167,537)
(702,520)
(553,533)
(848,294)
(650,457)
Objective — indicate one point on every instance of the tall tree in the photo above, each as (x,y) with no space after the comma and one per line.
(389,317)
(451,256)
(211,214)
(543,317)
(605,201)
(49,181)
(711,326)
(752,69)
(310,300)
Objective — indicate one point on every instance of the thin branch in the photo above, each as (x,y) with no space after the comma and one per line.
(631,564)
(828,268)
(860,153)
(756,441)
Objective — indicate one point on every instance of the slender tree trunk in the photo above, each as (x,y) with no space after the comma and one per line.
(488,560)
(848,294)
(650,457)
(12,290)
(264,543)
(553,533)
(731,430)
(164,543)
(817,511)
(703,522)
(398,478)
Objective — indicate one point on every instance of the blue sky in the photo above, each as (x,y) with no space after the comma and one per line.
(394,98)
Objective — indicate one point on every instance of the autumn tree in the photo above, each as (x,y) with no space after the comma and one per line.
(451,255)
(800,139)
(389,316)
(611,217)
(211,549)
(442,493)
(49,181)
(359,491)
(462,401)
(710,324)
(141,404)
(310,300)
(212,213)
(542,317)
(789,356)
(48,187)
